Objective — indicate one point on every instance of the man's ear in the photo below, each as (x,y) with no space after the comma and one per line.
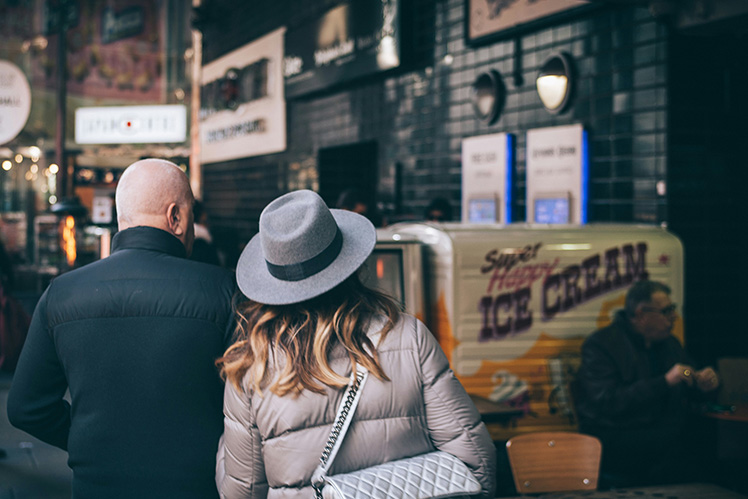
(173,217)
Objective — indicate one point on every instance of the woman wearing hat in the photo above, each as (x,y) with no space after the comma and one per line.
(306,322)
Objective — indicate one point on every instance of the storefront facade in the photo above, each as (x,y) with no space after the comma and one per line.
(654,114)
(395,89)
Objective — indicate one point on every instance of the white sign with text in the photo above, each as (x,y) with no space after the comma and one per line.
(243,107)
(486,178)
(130,124)
(101,212)
(557,175)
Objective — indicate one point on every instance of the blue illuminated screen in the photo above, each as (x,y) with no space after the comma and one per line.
(482,210)
(552,210)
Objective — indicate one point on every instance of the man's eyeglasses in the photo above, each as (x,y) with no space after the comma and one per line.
(665,310)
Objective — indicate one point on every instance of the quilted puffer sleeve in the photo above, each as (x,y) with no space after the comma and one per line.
(453,421)
(240,470)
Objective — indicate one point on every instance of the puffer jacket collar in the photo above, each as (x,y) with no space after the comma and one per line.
(148,238)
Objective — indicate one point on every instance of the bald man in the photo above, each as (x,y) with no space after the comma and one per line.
(134,338)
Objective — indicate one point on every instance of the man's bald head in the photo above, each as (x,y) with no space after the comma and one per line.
(156,193)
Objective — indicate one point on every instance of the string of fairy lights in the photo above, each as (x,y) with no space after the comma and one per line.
(32,169)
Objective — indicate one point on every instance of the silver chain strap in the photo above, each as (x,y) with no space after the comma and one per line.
(338,426)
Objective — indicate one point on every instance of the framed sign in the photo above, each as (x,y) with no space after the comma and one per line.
(490,19)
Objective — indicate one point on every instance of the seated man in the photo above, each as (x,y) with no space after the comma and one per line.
(633,391)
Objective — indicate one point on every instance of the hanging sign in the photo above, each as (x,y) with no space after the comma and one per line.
(15,101)
(131,124)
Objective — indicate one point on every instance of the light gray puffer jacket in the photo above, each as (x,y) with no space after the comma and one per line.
(271,445)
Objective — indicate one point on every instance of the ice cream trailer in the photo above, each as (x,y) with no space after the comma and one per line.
(512,304)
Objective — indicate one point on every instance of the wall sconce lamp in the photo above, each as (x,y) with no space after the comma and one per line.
(555,82)
(488,95)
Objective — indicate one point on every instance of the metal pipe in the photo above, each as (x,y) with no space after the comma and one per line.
(196,170)
(62,177)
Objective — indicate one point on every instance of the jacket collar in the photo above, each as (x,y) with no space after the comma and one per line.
(148,238)
(624,324)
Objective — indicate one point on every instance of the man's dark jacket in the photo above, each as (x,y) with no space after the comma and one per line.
(134,336)
(621,384)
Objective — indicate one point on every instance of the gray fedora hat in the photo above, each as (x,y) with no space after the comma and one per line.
(303,250)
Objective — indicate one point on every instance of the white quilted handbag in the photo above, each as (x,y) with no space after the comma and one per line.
(432,475)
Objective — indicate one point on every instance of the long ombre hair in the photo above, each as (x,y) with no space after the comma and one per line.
(290,344)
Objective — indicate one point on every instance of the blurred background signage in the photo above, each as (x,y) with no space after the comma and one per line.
(243,109)
(130,124)
(557,175)
(15,101)
(114,51)
(102,208)
(487,178)
(352,40)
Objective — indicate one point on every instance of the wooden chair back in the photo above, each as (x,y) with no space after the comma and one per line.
(554,461)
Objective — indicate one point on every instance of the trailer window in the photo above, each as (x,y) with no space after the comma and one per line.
(383,271)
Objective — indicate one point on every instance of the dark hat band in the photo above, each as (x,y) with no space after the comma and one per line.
(302,270)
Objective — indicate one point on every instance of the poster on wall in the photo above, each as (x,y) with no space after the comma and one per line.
(243,108)
(490,19)
(351,40)
(557,175)
(487,178)
(115,51)
(15,101)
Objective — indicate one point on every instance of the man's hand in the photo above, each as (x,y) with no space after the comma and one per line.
(706,379)
(680,373)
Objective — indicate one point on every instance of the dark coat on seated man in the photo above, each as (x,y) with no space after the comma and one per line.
(634,389)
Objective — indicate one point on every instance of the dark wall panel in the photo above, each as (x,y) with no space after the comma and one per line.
(707,179)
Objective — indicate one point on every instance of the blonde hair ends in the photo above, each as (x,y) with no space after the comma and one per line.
(285,349)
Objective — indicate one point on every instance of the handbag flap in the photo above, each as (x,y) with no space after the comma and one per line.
(436,474)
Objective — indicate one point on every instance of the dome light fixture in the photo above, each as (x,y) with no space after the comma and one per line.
(488,95)
(554,83)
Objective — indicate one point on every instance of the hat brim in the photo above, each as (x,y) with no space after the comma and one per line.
(257,284)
